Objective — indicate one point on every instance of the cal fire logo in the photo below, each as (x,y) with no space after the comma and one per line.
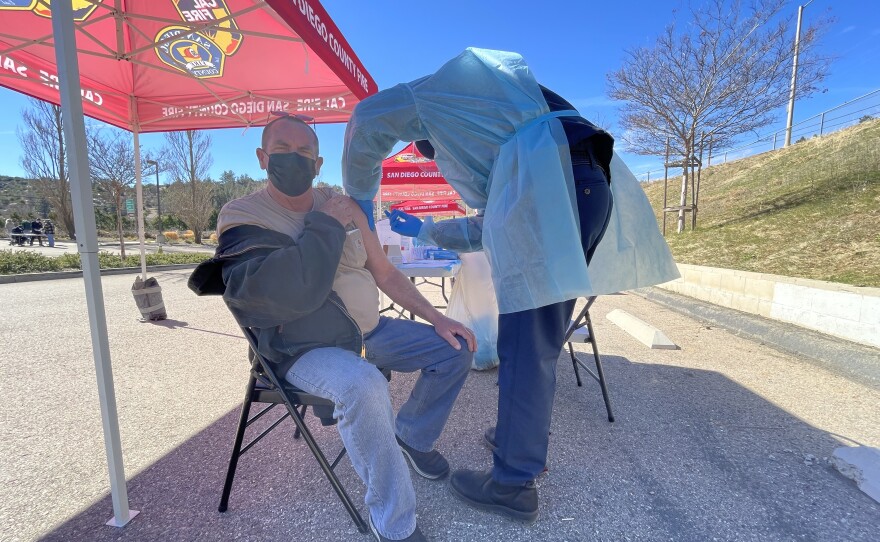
(81,8)
(201,54)
(411,158)
(190,52)
(203,11)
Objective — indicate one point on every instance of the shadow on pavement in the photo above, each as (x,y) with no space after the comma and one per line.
(692,456)
(178,324)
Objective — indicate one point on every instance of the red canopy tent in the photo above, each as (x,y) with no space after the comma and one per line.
(430,208)
(409,175)
(149,66)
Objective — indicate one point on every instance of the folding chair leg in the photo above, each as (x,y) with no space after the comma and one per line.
(574,363)
(583,319)
(328,471)
(302,412)
(575,324)
(338,458)
(599,372)
(236,447)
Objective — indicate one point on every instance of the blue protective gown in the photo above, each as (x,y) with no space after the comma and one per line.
(499,146)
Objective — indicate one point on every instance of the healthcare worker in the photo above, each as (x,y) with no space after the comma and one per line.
(503,143)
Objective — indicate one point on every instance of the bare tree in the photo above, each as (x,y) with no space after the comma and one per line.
(600,119)
(188,158)
(193,203)
(111,157)
(44,158)
(723,74)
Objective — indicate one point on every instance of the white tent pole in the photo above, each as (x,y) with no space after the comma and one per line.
(87,245)
(379,205)
(139,190)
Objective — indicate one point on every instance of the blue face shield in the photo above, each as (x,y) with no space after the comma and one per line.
(291,172)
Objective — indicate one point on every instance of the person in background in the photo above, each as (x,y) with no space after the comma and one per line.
(542,174)
(49,230)
(16,237)
(37,230)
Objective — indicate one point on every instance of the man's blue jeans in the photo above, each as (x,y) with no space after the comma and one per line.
(366,419)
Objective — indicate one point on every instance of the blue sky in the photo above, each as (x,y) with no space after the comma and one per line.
(570,47)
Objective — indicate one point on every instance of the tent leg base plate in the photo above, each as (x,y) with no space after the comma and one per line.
(114,523)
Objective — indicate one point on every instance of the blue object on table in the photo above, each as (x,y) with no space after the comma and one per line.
(366,206)
(440,254)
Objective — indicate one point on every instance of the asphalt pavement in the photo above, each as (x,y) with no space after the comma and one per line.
(725,439)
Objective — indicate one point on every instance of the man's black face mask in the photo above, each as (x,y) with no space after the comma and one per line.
(291,172)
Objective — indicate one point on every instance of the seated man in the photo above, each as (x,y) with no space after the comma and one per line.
(37,230)
(301,266)
(16,237)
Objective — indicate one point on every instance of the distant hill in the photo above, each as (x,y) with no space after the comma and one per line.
(810,210)
(18,196)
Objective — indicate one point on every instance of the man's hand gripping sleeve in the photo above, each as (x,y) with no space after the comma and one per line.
(287,283)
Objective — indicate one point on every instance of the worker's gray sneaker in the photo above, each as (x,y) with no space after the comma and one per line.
(431,465)
(417,535)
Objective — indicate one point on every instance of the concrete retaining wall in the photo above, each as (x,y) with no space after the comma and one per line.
(844,311)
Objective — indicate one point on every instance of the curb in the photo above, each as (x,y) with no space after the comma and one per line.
(850,360)
(641,331)
(31,277)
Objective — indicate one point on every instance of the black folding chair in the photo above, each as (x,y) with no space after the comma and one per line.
(264,386)
(581,330)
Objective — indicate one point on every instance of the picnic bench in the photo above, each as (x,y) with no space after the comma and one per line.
(20,239)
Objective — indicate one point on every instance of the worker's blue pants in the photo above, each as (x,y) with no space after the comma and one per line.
(529,343)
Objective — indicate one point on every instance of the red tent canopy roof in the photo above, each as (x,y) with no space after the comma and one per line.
(430,192)
(408,167)
(189,64)
(429,207)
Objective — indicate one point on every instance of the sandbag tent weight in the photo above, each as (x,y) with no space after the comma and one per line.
(148,296)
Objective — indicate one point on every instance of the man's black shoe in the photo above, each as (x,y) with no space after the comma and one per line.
(430,465)
(479,490)
(417,535)
(489,438)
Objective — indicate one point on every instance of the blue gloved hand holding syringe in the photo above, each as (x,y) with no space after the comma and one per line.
(403,223)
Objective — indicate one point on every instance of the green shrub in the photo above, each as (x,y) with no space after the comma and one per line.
(14,262)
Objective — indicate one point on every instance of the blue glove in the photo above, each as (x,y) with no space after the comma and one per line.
(366,206)
(403,223)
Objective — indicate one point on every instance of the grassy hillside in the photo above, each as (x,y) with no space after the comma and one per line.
(16,194)
(811,210)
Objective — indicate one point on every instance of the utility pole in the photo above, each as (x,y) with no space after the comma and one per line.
(797,39)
